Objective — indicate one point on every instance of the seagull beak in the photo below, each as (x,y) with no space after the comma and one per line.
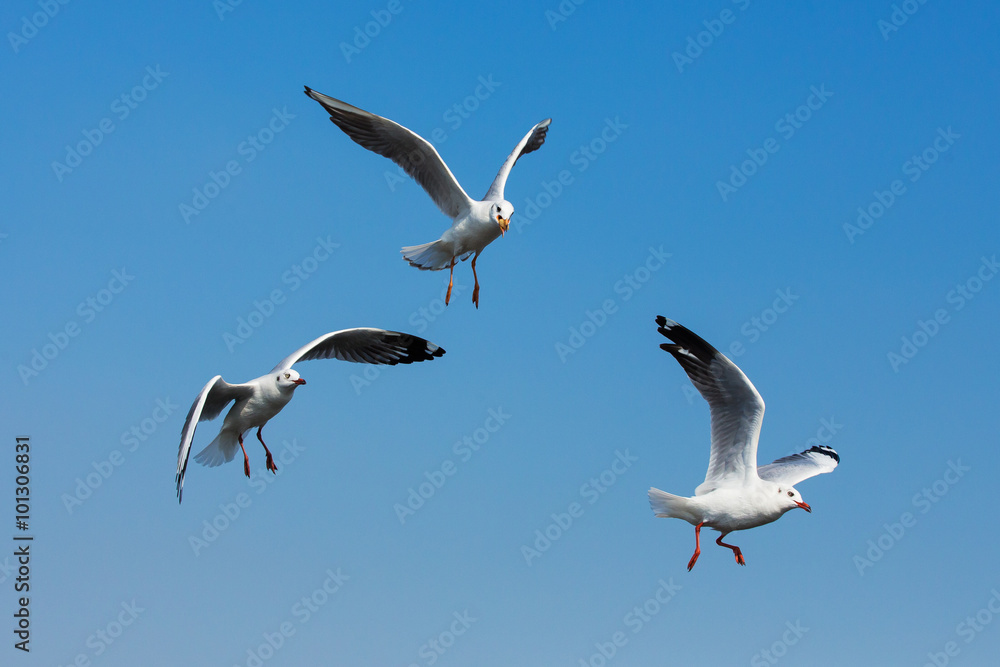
(804,506)
(300,381)
(504,225)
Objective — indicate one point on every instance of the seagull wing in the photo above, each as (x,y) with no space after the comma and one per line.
(212,399)
(532,141)
(409,150)
(365,346)
(793,469)
(736,407)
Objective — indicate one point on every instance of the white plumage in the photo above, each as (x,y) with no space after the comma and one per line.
(260,399)
(475,224)
(736,493)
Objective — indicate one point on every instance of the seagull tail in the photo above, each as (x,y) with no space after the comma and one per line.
(432,256)
(668,506)
(219,451)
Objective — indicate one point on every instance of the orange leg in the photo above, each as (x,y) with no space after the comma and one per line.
(451,279)
(736,550)
(246,460)
(475,290)
(697,545)
(270,461)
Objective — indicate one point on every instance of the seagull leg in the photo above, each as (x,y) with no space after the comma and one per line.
(475,290)
(697,545)
(246,460)
(270,460)
(451,279)
(736,550)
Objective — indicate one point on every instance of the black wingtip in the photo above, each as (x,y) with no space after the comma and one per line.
(823,449)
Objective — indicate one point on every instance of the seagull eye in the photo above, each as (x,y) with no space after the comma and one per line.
(791,495)
(287,376)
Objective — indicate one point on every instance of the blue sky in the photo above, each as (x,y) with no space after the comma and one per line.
(810,188)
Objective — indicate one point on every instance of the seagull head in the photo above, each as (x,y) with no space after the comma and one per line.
(501,212)
(790,499)
(289,379)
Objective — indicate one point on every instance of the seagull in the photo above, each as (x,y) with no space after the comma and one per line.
(258,400)
(475,224)
(736,493)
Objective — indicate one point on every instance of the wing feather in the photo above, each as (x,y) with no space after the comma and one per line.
(418,158)
(736,407)
(364,345)
(532,141)
(211,401)
(793,469)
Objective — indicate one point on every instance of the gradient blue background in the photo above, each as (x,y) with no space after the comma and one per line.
(364,447)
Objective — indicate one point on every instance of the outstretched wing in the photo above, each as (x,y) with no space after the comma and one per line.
(409,150)
(212,399)
(365,346)
(532,141)
(736,407)
(793,469)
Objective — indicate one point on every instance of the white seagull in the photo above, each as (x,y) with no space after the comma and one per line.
(475,224)
(258,400)
(736,494)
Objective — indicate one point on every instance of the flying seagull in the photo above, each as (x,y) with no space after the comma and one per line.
(736,493)
(475,224)
(258,400)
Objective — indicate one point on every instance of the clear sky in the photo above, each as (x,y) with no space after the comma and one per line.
(811,188)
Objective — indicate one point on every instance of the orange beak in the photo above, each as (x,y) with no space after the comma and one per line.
(804,506)
(504,225)
(300,381)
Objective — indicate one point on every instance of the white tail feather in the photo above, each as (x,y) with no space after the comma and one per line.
(219,451)
(668,506)
(432,256)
